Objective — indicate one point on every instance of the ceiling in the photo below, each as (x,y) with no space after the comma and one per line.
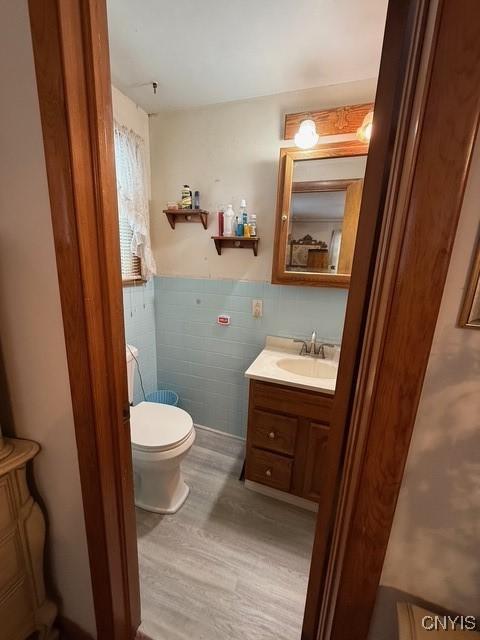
(209,51)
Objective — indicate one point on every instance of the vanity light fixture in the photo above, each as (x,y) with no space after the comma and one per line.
(306,135)
(364,132)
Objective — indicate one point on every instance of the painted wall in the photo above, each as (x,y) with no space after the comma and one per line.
(138,306)
(229,152)
(32,337)
(205,363)
(432,553)
(130,115)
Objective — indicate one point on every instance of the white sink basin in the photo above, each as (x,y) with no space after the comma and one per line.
(309,367)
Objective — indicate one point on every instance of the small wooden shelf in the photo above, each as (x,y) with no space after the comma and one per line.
(235,242)
(186,215)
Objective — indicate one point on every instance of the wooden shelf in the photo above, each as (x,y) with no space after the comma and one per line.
(186,215)
(235,242)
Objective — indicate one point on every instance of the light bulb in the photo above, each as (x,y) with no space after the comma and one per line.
(306,135)
(364,133)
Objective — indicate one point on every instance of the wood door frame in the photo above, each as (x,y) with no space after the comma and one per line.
(70,45)
(71,58)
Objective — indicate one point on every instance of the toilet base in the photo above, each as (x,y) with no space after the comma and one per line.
(159,483)
(174,506)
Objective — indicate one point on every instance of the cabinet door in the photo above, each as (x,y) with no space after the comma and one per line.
(316,460)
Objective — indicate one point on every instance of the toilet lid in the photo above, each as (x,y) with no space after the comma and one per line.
(155,427)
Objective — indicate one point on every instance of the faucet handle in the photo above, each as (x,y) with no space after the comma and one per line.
(304,348)
(320,348)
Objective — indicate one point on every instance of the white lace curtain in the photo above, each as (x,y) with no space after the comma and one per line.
(132,190)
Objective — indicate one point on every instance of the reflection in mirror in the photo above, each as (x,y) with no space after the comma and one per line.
(324,209)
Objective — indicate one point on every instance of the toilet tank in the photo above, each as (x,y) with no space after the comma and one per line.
(131,353)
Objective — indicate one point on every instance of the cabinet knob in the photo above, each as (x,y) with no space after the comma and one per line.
(268,473)
(271,435)
(284,217)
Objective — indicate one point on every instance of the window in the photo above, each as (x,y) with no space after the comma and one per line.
(137,261)
(131,265)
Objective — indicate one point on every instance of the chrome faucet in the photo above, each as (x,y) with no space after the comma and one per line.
(305,347)
(311,348)
(308,348)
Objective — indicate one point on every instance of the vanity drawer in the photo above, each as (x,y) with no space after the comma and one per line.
(273,431)
(312,405)
(269,468)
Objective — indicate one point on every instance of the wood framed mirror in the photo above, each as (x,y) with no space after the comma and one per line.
(318,203)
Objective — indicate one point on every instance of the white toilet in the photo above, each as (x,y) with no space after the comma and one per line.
(161,437)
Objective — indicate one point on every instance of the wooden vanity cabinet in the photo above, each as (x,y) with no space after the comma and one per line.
(288,430)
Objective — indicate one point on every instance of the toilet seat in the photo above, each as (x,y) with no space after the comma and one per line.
(158,427)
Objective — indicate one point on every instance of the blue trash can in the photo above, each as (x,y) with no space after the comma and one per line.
(163,396)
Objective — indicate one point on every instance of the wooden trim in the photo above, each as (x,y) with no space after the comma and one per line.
(70,47)
(314,186)
(418,229)
(472,286)
(329,122)
(134,282)
(400,57)
(288,155)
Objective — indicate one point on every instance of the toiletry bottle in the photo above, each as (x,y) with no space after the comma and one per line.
(186,197)
(239,226)
(253,225)
(243,212)
(196,200)
(229,221)
(220,222)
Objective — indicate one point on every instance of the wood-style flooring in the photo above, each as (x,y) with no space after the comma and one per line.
(231,564)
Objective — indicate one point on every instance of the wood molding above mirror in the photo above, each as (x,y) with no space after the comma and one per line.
(329,122)
(315,235)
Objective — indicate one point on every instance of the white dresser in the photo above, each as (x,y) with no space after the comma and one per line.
(24,608)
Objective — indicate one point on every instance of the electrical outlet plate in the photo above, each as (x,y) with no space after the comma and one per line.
(257,308)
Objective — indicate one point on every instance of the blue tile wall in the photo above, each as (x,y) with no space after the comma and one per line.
(204,362)
(139,317)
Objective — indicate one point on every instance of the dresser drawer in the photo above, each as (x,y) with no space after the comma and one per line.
(273,431)
(269,468)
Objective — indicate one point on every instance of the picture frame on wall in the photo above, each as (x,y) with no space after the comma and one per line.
(469,317)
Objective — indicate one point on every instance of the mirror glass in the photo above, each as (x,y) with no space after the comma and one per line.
(323,214)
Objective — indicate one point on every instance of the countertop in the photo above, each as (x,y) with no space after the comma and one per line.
(265,366)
